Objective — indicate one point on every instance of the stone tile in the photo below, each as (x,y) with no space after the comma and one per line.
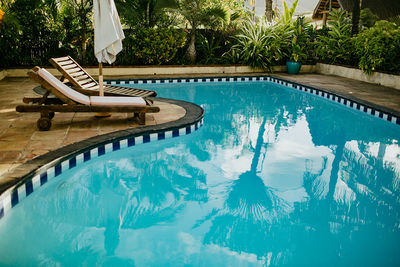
(84,125)
(5,167)
(15,136)
(13,146)
(49,136)
(50,144)
(31,154)
(74,136)
(9,156)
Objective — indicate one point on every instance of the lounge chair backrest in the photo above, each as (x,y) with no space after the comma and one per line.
(74,73)
(62,88)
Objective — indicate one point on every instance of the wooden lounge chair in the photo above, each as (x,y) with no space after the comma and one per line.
(72,72)
(66,99)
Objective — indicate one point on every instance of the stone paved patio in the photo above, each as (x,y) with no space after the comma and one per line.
(20,140)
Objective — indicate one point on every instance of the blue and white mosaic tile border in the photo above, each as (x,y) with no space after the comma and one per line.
(341,100)
(330,96)
(10,198)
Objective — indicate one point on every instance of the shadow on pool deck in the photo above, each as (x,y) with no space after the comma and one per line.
(20,140)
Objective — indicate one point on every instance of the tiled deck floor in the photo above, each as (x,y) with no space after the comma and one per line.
(381,97)
(20,140)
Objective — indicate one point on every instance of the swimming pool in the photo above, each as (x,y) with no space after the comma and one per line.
(275,176)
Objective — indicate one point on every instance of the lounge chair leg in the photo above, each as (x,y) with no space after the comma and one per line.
(44,123)
(142,118)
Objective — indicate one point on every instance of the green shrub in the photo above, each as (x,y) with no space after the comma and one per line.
(335,45)
(301,40)
(28,34)
(156,45)
(378,48)
(212,44)
(207,49)
(368,19)
(258,45)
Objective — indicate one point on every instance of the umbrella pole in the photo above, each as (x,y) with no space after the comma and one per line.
(101,92)
(101,89)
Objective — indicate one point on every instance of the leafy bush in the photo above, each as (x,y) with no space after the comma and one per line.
(258,45)
(156,45)
(335,46)
(212,44)
(301,40)
(208,49)
(29,34)
(368,19)
(378,47)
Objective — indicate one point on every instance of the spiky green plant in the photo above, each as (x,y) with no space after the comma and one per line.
(335,46)
(259,44)
(288,12)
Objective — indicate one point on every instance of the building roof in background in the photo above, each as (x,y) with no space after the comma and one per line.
(303,6)
(383,8)
(324,6)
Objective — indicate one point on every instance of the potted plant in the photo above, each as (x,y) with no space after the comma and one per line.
(296,47)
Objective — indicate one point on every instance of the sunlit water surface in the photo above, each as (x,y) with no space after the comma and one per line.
(274,177)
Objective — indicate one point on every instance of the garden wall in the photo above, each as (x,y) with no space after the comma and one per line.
(3,74)
(166,70)
(384,79)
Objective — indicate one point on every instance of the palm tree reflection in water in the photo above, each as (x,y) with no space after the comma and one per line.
(252,212)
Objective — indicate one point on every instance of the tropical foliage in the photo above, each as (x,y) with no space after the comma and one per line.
(29,32)
(262,44)
(378,47)
(146,13)
(258,45)
(75,17)
(195,32)
(300,41)
(334,45)
(201,13)
(156,46)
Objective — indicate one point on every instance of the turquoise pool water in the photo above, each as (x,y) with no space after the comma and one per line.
(275,177)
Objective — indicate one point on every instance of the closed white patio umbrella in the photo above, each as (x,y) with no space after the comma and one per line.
(108,35)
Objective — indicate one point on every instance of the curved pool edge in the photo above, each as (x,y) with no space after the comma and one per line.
(11,183)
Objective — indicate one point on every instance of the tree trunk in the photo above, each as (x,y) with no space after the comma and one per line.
(82,18)
(191,52)
(268,9)
(148,14)
(84,61)
(355,19)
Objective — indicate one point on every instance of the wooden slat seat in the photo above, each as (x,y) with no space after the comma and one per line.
(70,66)
(85,84)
